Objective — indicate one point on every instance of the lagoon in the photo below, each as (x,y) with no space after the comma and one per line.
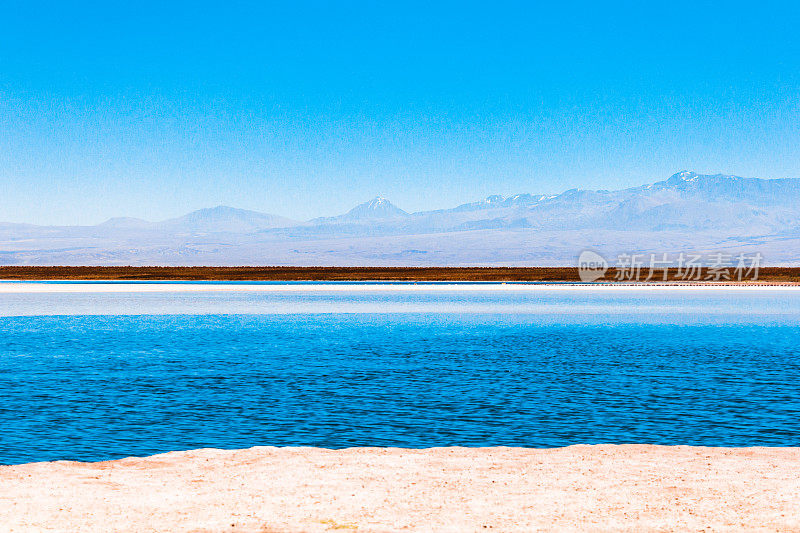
(93,375)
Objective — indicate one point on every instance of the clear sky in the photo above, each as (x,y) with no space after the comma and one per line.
(153,109)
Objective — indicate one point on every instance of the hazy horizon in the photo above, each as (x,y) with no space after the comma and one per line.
(688,212)
(367,201)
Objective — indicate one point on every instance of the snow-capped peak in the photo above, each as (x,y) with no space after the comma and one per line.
(378,207)
(684,175)
(377,202)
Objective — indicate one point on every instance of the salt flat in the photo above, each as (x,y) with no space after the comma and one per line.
(169,286)
(584,488)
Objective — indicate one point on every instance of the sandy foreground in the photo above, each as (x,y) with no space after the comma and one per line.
(586,488)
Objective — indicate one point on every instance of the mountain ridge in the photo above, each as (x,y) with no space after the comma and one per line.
(225,219)
(686,211)
(381,208)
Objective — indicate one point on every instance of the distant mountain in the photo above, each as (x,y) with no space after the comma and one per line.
(685,201)
(686,212)
(125,223)
(496,200)
(379,208)
(224,219)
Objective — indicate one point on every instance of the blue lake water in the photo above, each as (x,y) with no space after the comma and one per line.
(93,376)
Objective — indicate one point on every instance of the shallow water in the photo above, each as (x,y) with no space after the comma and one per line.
(99,376)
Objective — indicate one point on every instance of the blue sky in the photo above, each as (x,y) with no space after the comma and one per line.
(307,108)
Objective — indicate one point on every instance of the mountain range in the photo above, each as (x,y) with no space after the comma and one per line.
(687,212)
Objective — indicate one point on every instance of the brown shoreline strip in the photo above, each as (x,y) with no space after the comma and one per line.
(543,274)
(578,488)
